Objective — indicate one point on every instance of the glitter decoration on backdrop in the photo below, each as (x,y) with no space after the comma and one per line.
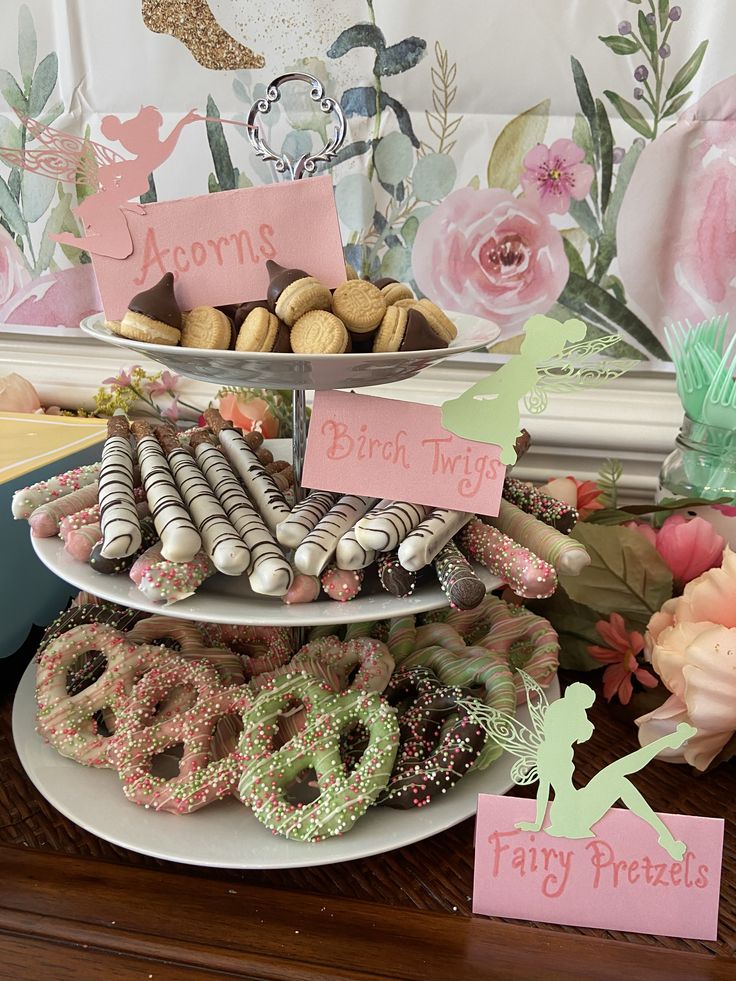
(193,23)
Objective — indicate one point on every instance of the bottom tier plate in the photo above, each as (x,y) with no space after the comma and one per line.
(226,835)
(223,599)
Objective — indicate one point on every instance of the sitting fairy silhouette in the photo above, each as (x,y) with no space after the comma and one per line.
(547,755)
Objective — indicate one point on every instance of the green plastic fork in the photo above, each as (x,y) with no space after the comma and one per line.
(696,352)
(719,405)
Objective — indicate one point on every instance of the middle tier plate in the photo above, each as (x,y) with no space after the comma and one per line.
(222,599)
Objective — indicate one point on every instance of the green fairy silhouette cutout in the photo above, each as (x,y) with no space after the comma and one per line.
(551,359)
(546,754)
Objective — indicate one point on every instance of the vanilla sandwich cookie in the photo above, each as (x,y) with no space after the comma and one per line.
(422,545)
(317,549)
(304,517)
(351,555)
(121,527)
(387,525)
(180,540)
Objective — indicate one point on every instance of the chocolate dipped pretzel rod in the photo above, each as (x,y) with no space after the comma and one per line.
(393,577)
(121,527)
(304,517)
(317,549)
(27,499)
(385,526)
(262,488)
(526,574)
(457,578)
(422,545)
(180,540)
(563,517)
(564,553)
(222,543)
(269,574)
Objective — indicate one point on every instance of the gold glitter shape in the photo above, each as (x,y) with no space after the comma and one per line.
(193,23)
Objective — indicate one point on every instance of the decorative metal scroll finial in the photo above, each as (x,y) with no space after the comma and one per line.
(307,163)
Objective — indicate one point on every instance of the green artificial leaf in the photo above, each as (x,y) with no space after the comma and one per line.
(677,103)
(394,158)
(629,113)
(515,140)
(357,36)
(583,215)
(37,193)
(434,176)
(609,516)
(648,32)
(687,73)
(664,9)
(11,92)
(575,626)
(593,304)
(399,57)
(585,98)
(226,174)
(409,230)
(606,138)
(573,257)
(44,83)
(618,44)
(355,201)
(607,244)
(10,211)
(675,504)
(27,45)
(626,575)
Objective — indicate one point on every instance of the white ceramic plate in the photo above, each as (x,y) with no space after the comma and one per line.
(292,371)
(226,835)
(224,599)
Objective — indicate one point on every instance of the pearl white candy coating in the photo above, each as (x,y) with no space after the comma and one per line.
(180,540)
(121,528)
(304,516)
(388,524)
(317,549)
(260,485)
(351,555)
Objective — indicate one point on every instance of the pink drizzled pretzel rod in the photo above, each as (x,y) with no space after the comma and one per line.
(45,519)
(526,574)
(27,499)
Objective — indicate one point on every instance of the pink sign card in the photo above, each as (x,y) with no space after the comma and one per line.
(361,444)
(217,244)
(620,880)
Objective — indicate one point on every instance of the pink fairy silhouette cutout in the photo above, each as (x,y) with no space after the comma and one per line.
(116,179)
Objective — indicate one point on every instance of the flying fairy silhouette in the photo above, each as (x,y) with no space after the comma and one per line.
(553,358)
(114,179)
(546,754)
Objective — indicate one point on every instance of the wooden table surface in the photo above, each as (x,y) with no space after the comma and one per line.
(75,907)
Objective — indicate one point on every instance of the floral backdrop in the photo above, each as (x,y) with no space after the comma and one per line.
(568,157)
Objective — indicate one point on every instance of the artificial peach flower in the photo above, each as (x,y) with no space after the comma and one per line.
(581,494)
(699,751)
(712,596)
(17,394)
(250,415)
(689,546)
(621,656)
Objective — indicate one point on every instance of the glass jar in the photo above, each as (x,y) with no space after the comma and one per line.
(703,463)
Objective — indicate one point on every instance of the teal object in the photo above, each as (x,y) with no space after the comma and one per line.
(29,593)
(697,352)
(702,464)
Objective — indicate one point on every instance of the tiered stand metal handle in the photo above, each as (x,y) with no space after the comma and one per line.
(304,166)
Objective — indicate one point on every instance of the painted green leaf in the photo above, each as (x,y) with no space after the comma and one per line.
(409,230)
(677,103)
(395,264)
(241,92)
(615,286)
(618,44)
(44,82)
(606,137)
(687,73)
(151,195)
(51,114)
(355,201)
(434,177)
(575,626)
(361,101)
(626,575)
(629,113)
(583,215)
(357,36)
(664,9)
(394,158)
(513,143)
(36,193)
(54,225)
(607,244)
(577,265)
(474,182)
(400,57)
(10,210)
(593,304)
(585,98)
(10,135)
(10,90)
(581,136)
(27,45)
(226,174)
(648,32)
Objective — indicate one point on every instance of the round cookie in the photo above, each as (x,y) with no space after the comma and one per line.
(319,332)
(437,320)
(206,327)
(244,309)
(292,293)
(405,329)
(360,305)
(153,315)
(394,292)
(263,331)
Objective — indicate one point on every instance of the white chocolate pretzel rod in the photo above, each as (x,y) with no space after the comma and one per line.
(304,517)
(388,524)
(180,540)
(166,582)
(423,544)
(317,549)
(121,527)
(262,488)
(221,541)
(351,555)
(27,499)
(269,573)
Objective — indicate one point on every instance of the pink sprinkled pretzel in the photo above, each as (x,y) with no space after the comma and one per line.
(68,721)
(140,736)
(190,644)
(262,648)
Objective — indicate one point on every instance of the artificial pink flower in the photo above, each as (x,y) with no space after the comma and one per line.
(165,385)
(14,273)
(689,546)
(554,174)
(492,255)
(17,394)
(622,657)
(581,494)
(645,530)
(250,415)
(121,380)
(171,411)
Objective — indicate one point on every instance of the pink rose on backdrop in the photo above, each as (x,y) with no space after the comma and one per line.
(490,254)
(14,273)
(676,232)
(554,174)
(58,299)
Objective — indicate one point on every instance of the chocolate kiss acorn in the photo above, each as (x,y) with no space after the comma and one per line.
(293,292)
(418,335)
(154,315)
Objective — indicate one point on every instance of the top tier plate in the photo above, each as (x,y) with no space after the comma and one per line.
(321,372)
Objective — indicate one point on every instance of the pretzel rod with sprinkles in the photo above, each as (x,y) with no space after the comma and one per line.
(557,514)
(564,553)
(121,529)
(27,499)
(526,574)
(79,519)
(459,582)
(166,582)
(45,520)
